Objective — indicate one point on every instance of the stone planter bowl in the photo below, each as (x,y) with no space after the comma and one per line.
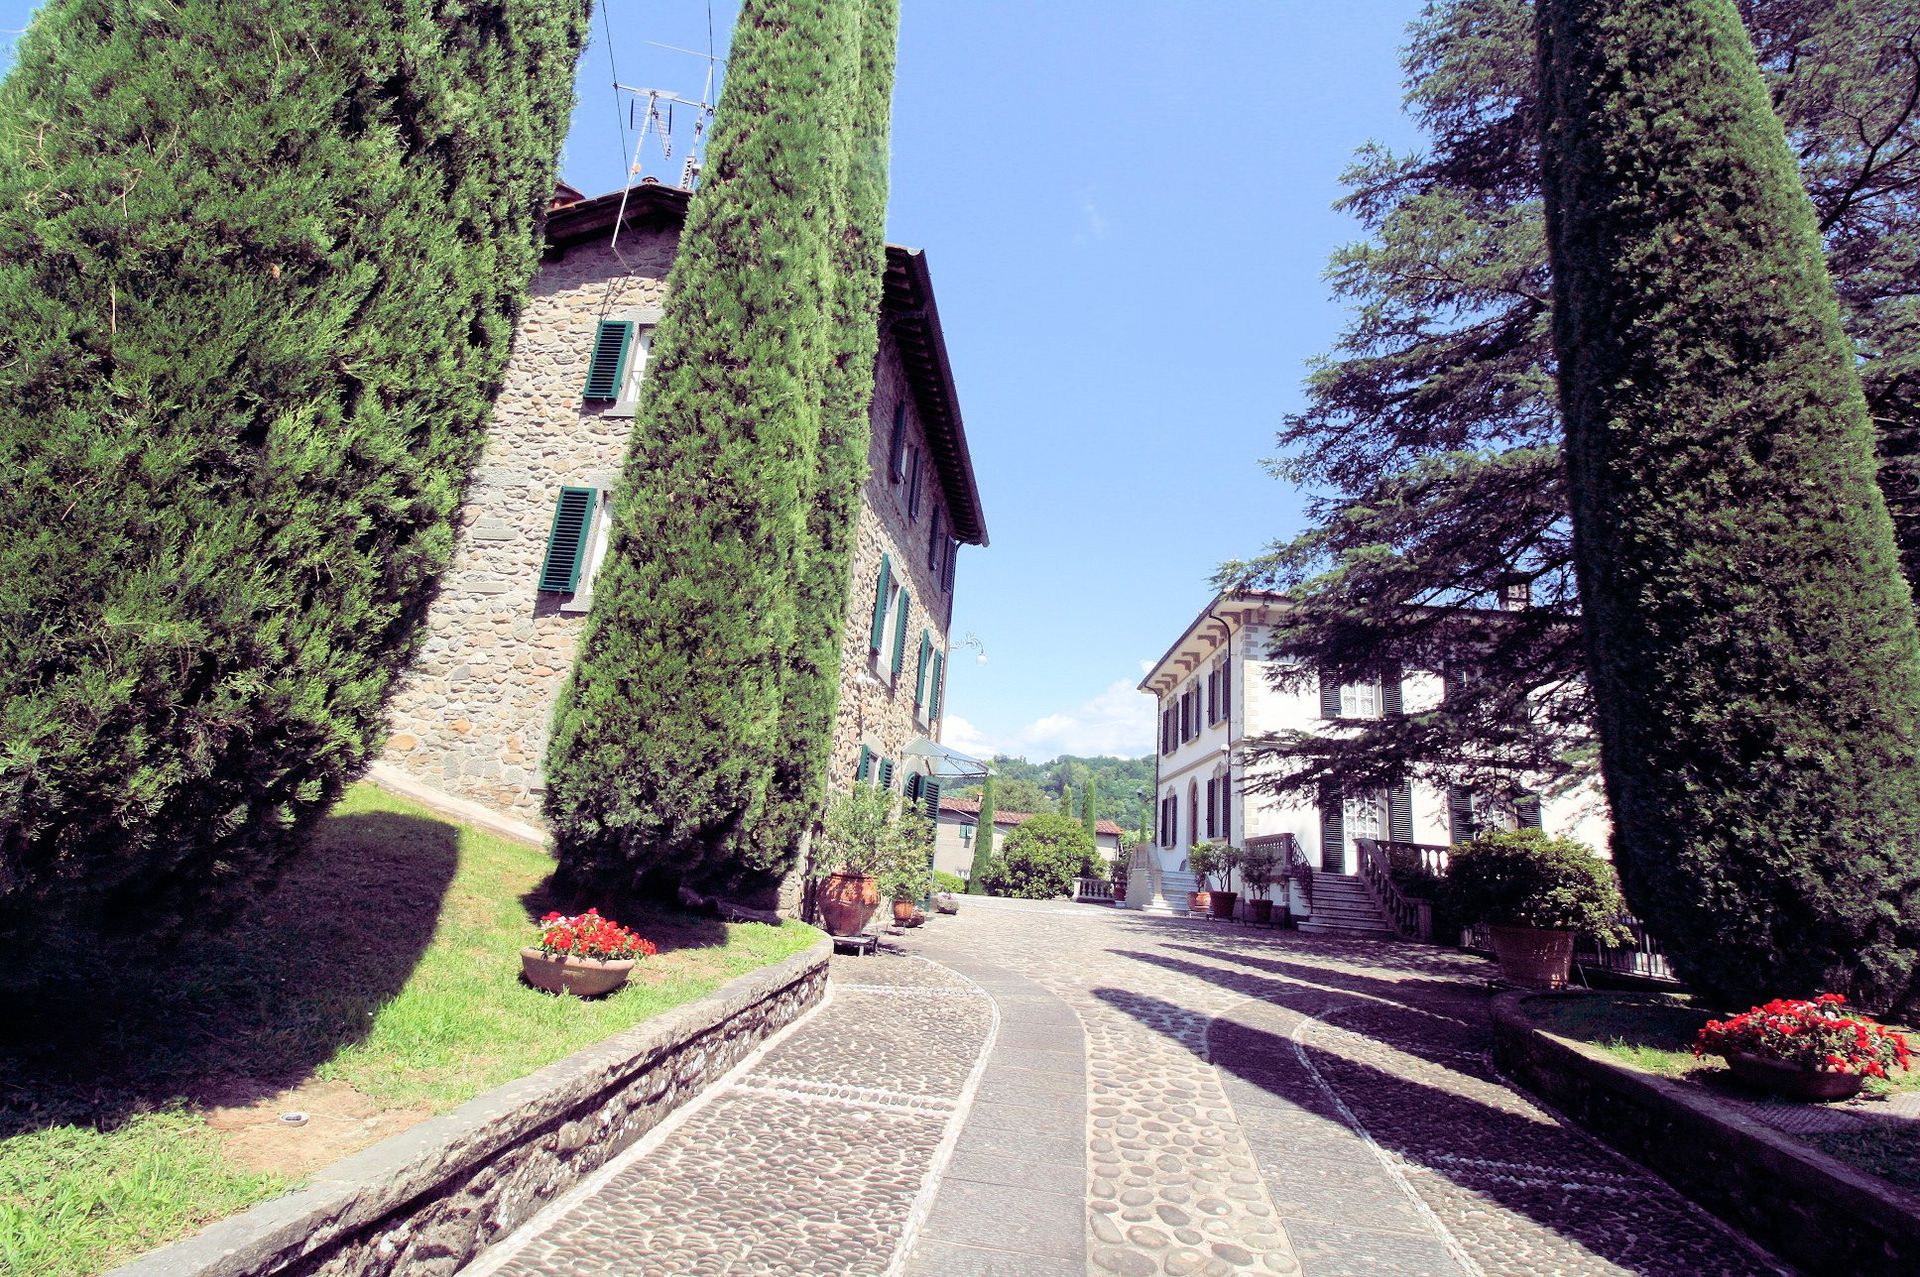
(1793,1081)
(582,977)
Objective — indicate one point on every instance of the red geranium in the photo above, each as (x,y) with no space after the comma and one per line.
(1817,1036)
(588,935)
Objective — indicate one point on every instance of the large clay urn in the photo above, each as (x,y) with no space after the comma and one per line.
(847,902)
(1533,957)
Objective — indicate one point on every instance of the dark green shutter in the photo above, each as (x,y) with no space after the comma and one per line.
(912,787)
(939,664)
(935,542)
(1400,813)
(897,453)
(880,602)
(886,773)
(1391,701)
(608,367)
(1333,829)
(567,541)
(866,763)
(946,574)
(920,683)
(1527,808)
(913,488)
(1459,814)
(1226,691)
(1329,696)
(930,792)
(900,636)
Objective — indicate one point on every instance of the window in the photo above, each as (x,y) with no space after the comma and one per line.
(882,595)
(1166,821)
(1400,813)
(1363,816)
(926,667)
(865,767)
(1461,821)
(915,471)
(939,688)
(568,541)
(953,552)
(899,660)
(935,542)
(607,365)
(930,795)
(1360,700)
(897,450)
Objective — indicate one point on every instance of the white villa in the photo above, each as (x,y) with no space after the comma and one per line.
(1215,697)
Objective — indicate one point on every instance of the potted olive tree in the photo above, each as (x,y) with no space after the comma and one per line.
(866,833)
(1535,894)
(1258,865)
(1203,860)
(1227,859)
(906,876)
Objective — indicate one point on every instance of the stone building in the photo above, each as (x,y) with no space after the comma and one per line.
(471,717)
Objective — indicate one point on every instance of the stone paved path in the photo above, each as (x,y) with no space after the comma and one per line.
(1055,1091)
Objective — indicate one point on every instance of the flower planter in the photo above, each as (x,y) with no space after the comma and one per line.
(1223,903)
(582,977)
(1200,902)
(1260,911)
(1791,1080)
(847,902)
(1533,957)
(903,912)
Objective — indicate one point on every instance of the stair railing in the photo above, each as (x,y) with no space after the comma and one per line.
(1298,870)
(1411,919)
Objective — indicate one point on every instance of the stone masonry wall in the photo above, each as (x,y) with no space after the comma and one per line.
(472,715)
(429,1200)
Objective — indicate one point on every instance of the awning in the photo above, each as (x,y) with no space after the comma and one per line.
(947,764)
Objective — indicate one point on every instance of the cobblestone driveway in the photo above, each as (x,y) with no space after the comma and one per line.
(1069,1090)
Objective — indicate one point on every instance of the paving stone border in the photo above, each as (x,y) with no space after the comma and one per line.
(1810,1208)
(430,1199)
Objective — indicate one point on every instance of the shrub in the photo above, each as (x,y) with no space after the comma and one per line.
(1755,666)
(1040,858)
(1522,878)
(944,881)
(1815,1035)
(869,830)
(1203,861)
(259,271)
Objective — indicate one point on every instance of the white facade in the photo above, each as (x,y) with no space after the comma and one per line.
(1215,695)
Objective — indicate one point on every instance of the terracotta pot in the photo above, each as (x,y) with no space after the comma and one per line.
(1200,902)
(582,977)
(1223,903)
(847,902)
(1533,957)
(1791,1080)
(903,911)
(1261,911)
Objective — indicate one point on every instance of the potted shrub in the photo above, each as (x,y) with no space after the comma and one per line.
(1257,868)
(585,955)
(1203,859)
(906,878)
(865,833)
(1227,859)
(1535,894)
(1805,1050)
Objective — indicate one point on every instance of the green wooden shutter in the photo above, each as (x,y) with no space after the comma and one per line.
(880,602)
(1333,829)
(1400,813)
(900,636)
(935,542)
(607,369)
(567,541)
(920,683)
(939,666)
(1459,814)
(946,574)
(886,773)
(1226,691)
(912,787)
(1391,699)
(897,450)
(1527,808)
(866,764)
(930,794)
(1329,696)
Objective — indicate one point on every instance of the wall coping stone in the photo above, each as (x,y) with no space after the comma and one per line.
(343,1205)
(1862,1224)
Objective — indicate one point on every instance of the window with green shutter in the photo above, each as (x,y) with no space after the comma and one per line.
(1400,813)
(930,795)
(1459,815)
(1527,809)
(900,637)
(926,660)
(1329,695)
(912,787)
(567,541)
(886,773)
(1392,701)
(897,451)
(866,764)
(1333,826)
(939,666)
(935,542)
(607,369)
(880,603)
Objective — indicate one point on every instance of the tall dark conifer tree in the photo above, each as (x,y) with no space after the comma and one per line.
(693,727)
(982,841)
(1751,638)
(259,269)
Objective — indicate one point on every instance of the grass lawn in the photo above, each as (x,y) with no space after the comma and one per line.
(1655,1032)
(376,984)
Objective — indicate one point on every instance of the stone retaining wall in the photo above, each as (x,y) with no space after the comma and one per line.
(1807,1207)
(430,1199)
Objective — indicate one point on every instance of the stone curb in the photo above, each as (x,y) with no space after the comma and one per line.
(431,1198)
(1809,1208)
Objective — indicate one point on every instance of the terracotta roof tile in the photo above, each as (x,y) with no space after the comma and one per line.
(971,807)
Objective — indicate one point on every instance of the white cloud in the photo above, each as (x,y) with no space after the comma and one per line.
(1118,721)
(957,733)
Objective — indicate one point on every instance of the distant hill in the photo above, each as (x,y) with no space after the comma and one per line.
(1023,786)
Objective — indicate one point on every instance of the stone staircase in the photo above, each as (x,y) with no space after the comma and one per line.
(1342,907)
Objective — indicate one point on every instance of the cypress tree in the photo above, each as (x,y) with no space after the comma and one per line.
(1089,814)
(982,841)
(810,686)
(666,740)
(259,270)
(1750,636)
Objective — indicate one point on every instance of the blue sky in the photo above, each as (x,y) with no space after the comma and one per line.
(1125,207)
